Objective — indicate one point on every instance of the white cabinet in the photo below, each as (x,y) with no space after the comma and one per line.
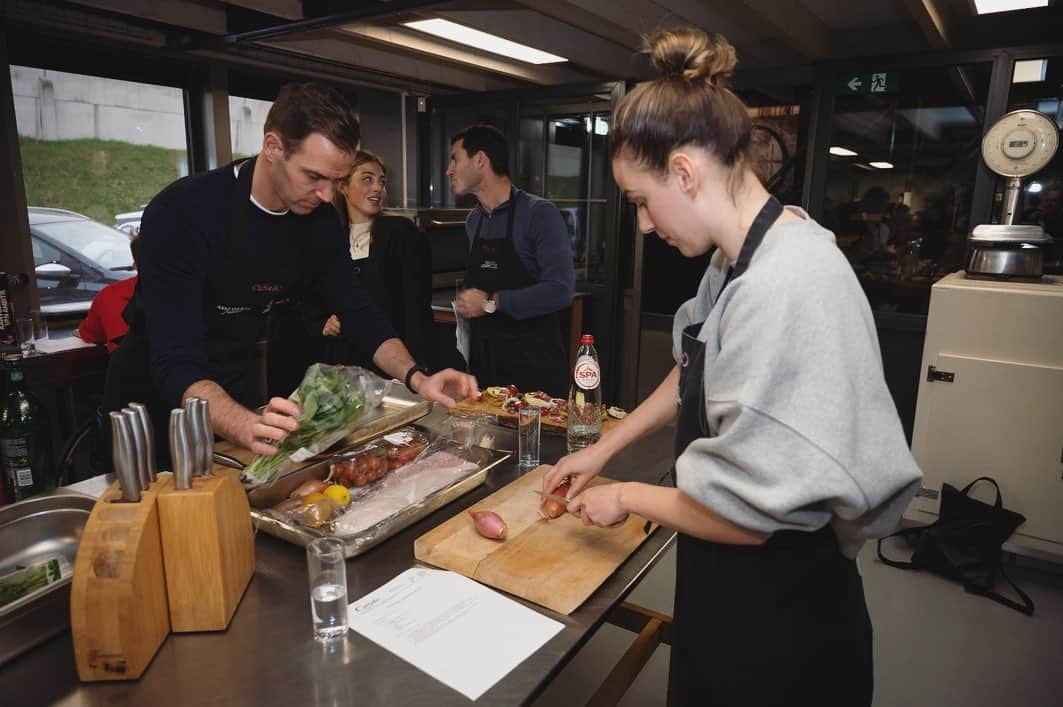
(991,402)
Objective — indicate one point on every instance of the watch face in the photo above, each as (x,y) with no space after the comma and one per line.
(490,306)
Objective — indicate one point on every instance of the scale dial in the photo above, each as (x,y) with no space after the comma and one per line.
(1020,143)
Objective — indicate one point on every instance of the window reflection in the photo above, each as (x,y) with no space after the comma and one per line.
(901,172)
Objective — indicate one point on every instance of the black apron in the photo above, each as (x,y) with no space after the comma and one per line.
(527,353)
(783,623)
(244,280)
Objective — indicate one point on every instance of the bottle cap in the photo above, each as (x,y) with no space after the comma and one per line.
(587,339)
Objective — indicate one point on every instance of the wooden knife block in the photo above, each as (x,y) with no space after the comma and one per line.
(208,549)
(119,615)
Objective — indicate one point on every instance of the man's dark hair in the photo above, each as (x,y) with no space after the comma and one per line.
(134,247)
(489,140)
(305,108)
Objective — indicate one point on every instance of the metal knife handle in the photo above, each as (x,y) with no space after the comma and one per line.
(149,437)
(140,458)
(195,435)
(180,450)
(122,447)
(206,434)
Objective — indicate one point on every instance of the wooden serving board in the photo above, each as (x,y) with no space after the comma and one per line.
(484,407)
(555,563)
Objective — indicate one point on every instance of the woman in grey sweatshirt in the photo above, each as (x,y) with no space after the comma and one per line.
(789,451)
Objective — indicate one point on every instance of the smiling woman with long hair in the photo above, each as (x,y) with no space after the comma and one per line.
(394,262)
(789,453)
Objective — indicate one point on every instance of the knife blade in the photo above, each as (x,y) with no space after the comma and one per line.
(180,450)
(552,497)
(149,438)
(122,451)
(206,435)
(140,457)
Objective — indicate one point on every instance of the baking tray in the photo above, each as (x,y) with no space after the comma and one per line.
(398,408)
(263,498)
(32,530)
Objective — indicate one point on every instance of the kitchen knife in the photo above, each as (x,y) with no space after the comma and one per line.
(180,450)
(149,438)
(195,435)
(140,448)
(206,434)
(552,497)
(122,454)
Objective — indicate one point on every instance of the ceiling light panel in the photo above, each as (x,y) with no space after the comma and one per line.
(485,42)
(986,7)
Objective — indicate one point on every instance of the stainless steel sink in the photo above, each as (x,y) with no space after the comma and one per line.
(33,530)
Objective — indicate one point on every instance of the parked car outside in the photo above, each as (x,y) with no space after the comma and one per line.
(75,257)
(129,222)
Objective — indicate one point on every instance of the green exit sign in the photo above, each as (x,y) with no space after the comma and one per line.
(885,82)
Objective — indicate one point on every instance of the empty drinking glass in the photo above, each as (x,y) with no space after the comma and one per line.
(24,331)
(529,427)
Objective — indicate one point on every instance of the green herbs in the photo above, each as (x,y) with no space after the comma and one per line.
(331,398)
(29,579)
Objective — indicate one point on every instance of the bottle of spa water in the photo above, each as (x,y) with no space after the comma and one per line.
(585,398)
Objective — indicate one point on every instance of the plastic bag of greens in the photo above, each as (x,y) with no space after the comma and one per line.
(332,399)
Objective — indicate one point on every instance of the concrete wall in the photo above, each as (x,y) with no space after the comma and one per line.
(55,105)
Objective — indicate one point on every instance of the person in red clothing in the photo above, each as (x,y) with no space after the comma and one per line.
(104,323)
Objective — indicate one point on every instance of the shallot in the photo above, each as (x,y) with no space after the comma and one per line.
(550,508)
(489,524)
(309,487)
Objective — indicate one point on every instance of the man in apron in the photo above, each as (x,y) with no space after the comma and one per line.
(519,274)
(219,248)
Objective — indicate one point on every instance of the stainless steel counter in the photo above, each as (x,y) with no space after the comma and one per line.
(268,655)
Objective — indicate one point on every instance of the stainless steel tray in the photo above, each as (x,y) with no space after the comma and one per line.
(32,530)
(263,498)
(398,408)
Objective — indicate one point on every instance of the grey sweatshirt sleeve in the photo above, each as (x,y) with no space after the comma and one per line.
(806,432)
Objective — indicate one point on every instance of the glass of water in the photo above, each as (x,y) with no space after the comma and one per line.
(529,428)
(328,587)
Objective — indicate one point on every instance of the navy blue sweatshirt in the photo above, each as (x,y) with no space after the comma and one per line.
(206,287)
(541,240)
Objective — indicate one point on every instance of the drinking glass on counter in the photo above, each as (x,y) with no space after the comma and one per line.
(466,429)
(529,428)
(328,587)
(24,331)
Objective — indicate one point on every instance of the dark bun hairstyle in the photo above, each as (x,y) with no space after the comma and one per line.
(688,104)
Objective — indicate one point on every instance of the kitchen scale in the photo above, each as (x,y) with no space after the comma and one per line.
(1021,143)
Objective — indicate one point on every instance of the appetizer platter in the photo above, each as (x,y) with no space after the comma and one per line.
(504,402)
(367,494)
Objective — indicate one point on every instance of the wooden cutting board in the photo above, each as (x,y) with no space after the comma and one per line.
(555,563)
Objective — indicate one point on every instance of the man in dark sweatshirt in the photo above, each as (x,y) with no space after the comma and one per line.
(219,248)
(519,273)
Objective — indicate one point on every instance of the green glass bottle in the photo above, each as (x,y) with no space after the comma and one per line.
(25,439)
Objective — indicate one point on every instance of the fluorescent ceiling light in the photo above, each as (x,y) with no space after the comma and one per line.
(986,7)
(1030,71)
(841,151)
(881,165)
(482,40)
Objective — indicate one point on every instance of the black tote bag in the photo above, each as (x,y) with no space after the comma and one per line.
(964,544)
